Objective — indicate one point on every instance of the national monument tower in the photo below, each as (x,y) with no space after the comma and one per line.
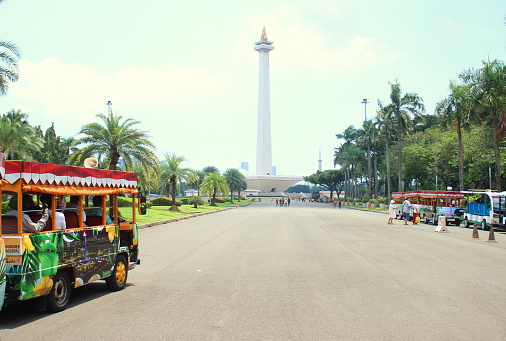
(264,146)
(264,181)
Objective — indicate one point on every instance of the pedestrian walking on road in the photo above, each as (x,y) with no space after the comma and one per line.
(335,203)
(416,212)
(405,210)
(391,211)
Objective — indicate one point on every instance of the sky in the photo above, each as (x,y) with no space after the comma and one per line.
(188,72)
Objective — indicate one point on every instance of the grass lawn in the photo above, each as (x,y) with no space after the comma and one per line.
(161,213)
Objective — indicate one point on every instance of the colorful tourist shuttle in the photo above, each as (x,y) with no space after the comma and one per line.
(96,243)
(431,202)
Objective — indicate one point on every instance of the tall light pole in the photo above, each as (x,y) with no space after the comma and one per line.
(364,102)
(369,186)
(109,107)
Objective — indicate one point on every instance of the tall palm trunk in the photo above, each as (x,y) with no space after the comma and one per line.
(496,151)
(399,155)
(173,185)
(461,154)
(376,184)
(213,200)
(369,171)
(389,177)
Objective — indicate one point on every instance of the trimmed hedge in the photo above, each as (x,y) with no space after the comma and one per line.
(164,201)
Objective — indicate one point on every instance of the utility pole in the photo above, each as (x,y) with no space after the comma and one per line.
(109,107)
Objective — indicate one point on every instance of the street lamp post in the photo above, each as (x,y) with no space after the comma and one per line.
(109,108)
(364,102)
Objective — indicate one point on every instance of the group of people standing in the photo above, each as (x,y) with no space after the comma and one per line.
(283,202)
(406,206)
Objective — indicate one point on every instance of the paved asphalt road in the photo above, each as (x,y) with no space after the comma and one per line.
(306,272)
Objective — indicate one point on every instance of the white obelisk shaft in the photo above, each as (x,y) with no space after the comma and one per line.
(264,147)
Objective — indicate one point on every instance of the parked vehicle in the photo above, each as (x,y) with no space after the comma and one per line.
(454,215)
(485,208)
(430,202)
(65,248)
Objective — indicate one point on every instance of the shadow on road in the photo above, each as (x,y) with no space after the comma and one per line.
(19,313)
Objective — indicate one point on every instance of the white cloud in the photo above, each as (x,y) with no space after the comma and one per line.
(62,86)
(301,41)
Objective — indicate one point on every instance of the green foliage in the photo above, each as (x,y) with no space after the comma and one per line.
(382,200)
(185,201)
(9,69)
(115,138)
(221,200)
(195,201)
(55,149)
(5,206)
(299,188)
(214,184)
(124,202)
(165,201)
(18,139)
(365,198)
(372,201)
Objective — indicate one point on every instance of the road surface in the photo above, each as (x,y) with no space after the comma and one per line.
(305,272)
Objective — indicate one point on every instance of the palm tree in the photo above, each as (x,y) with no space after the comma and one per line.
(349,135)
(234,181)
(352,159)
(488,89)
(364,139)
(384,124)
(147,177)
(18,138)
(456,109)
(9,72)
(402,109)
(213,184)
(115,139)
(172,173)
(210,169)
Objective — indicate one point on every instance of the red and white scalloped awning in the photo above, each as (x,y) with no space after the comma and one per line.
(44,173)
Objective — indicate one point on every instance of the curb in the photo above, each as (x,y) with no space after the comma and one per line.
(162,222)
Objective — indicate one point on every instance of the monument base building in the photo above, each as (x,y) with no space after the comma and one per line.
(270,184)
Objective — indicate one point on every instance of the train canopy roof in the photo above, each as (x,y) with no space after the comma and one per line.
(61,175)
(429,194)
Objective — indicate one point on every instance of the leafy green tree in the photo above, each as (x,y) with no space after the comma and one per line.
(456,109)
(115,138)
(299,189)
(9,70)
(18,139)
(479,155)
(54,150)
(332,180)
(403,106)
(234,180)
(214,184)
(488,89)
(172,174)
